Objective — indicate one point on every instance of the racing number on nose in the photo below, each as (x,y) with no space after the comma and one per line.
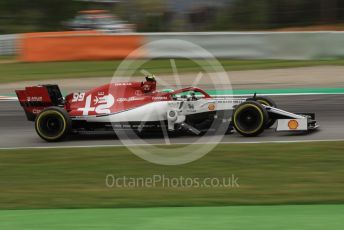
(78,97)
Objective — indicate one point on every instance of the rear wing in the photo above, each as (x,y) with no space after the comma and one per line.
(34,99)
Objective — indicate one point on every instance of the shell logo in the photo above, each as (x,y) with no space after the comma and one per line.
(293,124)
(211,107)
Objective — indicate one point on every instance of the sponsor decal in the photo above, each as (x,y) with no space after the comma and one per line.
(135,126)
(34,99)
(100,100)
(146,87)
(138,92)
(122,99)
(211,107)
(293,124)
(36,111)
(123,84)
(102,107)
(229,101)
(174,104)
(159,98)
(190,108)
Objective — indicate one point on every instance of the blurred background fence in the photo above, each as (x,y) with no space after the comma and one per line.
(66,30)
(70,46)
(8,44)
(254,45)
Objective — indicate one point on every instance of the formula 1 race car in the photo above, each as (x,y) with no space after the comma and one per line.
(140,107)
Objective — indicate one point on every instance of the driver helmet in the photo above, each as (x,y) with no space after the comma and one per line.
(150,84)
(150,78)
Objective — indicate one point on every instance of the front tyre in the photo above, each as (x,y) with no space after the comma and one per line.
(250,118)
(53,124)
(269,102)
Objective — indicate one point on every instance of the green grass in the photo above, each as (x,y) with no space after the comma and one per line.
(298,173)
(239,218)
(11,72)
(7,57)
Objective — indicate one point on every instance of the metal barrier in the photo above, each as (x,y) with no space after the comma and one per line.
(8,44)
(236,45)
(254,45)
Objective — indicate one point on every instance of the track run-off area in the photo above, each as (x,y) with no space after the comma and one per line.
(191,218)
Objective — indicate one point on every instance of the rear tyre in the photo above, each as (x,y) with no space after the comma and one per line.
(269,102)
(249,118)
(53,124)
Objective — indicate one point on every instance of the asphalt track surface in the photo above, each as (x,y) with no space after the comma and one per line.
(17,132)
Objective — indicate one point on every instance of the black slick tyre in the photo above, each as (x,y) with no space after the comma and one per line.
(269,102)
(53,124)
(250,118)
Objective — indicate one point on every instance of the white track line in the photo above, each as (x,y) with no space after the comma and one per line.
(181,143)
(5,98)
(15,99)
